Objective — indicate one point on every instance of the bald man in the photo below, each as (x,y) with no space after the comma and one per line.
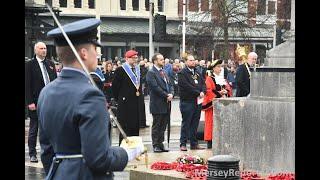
(243,75)
(38,73)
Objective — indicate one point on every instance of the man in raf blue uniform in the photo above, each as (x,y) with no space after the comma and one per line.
(74,130)
(192,88)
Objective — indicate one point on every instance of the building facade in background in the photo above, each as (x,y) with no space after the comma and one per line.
(125,25)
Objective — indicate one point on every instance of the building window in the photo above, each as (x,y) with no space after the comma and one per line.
(122,4)
(49,2)
(272,7)
(91,4)
(261,9)
(193,5)
(77,3)
(160,5)
(204,5)
(63,3)
(146,5)
(135,5)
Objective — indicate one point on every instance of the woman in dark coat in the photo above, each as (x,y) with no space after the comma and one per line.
(109,76)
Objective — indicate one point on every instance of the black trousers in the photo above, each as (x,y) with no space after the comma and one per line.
(160,122)
(191,113)
(33,131)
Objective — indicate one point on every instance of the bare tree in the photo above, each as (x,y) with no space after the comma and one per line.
(227,19)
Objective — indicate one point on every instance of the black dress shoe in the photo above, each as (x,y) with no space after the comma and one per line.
(157,150)
(33,159)
(146,126)
(163,149)
(197,147)
(183,148)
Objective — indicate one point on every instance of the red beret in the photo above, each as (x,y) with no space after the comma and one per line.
(131,53)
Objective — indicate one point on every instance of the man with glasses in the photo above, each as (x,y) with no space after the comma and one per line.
(127,91)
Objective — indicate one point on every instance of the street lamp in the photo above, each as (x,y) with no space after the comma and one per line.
(184,27)
(98,4)
(151,50)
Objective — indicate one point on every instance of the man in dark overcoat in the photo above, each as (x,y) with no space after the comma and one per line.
(38,73)
(127,91)
(243,75)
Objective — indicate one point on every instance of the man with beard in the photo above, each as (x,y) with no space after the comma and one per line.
(161,94)
(192,88)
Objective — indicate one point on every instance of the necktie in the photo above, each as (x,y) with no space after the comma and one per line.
(162,74)
(45,72)
(134,71)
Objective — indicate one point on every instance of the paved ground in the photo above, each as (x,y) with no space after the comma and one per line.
(34,171)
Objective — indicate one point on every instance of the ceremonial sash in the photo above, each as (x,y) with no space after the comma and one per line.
(135,80)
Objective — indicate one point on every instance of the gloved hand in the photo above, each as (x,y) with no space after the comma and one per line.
(134,147)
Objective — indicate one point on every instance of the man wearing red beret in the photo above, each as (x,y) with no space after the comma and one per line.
(127,91)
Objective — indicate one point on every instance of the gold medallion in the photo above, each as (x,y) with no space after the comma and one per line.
(195,76)
(137,93)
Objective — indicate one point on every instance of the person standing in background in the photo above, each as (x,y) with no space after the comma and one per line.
(161,94)
(192,88)
(38,73)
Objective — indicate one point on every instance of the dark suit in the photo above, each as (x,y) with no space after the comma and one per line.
(190,109)
(131,108)
(159,106)
(33,85)
(73,120)
(242,81)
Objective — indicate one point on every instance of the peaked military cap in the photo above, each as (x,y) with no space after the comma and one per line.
(79,32)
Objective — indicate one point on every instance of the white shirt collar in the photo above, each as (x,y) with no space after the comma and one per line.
(192,70)
(39,60)
(157,67)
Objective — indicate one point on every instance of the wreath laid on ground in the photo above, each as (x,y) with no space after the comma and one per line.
(187,159)
(196,168)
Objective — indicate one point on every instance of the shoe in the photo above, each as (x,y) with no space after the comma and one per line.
(209,145)
(33,159)
(183,148)
(146,126)
(197,147)
(157,149)
(164,149)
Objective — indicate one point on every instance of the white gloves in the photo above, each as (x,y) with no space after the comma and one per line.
(134,148)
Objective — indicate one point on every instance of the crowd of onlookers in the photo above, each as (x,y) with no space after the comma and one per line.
(172,67)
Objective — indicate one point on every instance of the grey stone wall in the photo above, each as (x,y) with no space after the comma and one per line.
(282,55)
(272,84)
(259,131)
